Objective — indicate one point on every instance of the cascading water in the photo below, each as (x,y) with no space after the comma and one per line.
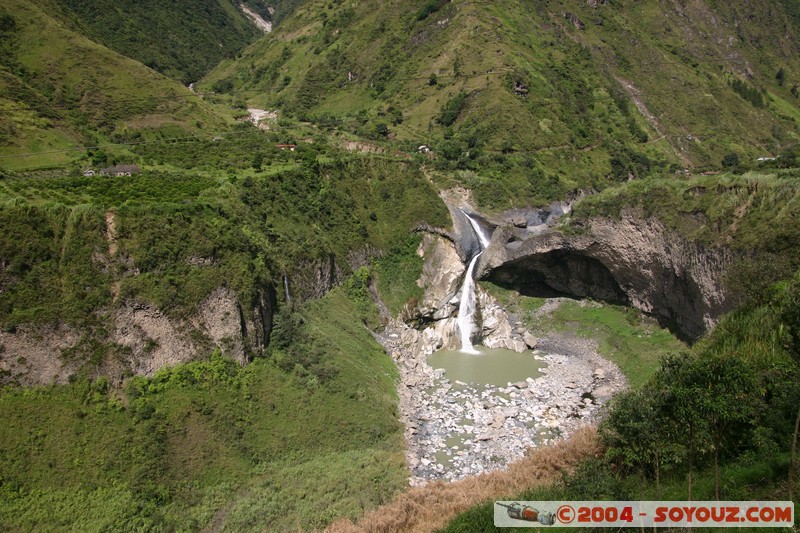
(468,304)
(286,288)
(482,237)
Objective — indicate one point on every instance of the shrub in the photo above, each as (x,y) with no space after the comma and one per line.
(452,109)
(730,160)
(430,7)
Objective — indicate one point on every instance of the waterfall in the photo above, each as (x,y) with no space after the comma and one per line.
(466,308)
(286,288)
(468,303)
(482,237)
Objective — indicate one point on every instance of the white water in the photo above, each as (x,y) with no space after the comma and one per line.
(482,238)
(466,308)
(286,288)
(468,304)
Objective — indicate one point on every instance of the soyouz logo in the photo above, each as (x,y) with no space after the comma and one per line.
(644,514)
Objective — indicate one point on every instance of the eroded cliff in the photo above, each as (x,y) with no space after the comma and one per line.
(632,260)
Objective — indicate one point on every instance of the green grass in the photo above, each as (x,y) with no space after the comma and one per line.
(63,90)
(576,127)
(397,276)
(182,40)
(251,227)
(256,445)
(633,341)
(660,426)
(110,191)
(744,480)
(753,214)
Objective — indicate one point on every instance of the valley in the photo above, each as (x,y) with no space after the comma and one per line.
(306,265)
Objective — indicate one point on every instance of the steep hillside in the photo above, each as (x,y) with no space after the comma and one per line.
(104,279)
(270,446)
(534,99)
(58,90)
(140,272)
(193,346)
(182,40)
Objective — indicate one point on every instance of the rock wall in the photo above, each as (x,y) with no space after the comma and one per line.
(142,339)
(437,311)
(31,355)
(632,260)
(314,278)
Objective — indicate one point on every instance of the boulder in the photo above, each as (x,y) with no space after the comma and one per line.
(530,340)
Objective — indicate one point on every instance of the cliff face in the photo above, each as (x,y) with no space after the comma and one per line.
(631,260)
(141,340)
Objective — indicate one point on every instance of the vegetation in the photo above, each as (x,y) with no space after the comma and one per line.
(182,40)
(59,90)
(716,422)
(610,100)
(753,214)
(249,231)
(209,439)
(630,339)
(526,117)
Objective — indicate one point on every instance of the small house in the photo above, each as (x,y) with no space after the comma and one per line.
(289,147)
(89,172)
(121,170)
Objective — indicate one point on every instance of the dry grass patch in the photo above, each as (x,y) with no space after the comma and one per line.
(433,506)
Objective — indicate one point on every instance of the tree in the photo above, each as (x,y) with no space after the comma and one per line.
(678,410)
(433,80)
(730,160)
(714,399)
(381,129)
(636,434)
(258,160)
(781,76)
(789,312)
(726,395)
(452,109)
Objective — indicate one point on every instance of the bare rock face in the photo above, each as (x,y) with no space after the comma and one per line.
(156,340)
(143,340)
(441,274)
(27,355)
(445,256)
(153,339)
(314,278)
(496,328)
(632,261)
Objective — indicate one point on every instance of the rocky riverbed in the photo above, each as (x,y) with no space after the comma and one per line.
(456,429)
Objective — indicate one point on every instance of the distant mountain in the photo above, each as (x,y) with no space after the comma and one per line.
(182,39)
(58,89)
(588,87)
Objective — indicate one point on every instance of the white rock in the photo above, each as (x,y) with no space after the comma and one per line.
(530,340)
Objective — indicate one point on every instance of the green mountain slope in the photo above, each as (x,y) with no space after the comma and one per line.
(182,39)
(59,89)
(555,94)
(522,101)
